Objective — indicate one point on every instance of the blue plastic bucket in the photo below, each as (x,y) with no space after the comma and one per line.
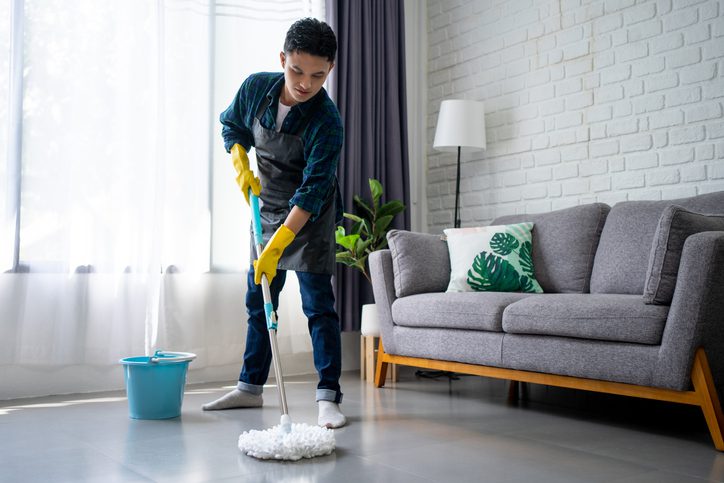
(155,385)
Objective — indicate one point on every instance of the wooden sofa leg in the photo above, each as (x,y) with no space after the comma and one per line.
(513,393)
(708,399)
(381,372)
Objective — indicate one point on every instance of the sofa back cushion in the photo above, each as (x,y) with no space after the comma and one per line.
(675,226)
(564,245)
(622,257)
(420,262)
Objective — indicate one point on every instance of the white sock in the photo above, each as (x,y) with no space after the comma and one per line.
(235,399)
(330,416)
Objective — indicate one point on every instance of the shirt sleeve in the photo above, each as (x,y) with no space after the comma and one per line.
(235,128)
(318,180)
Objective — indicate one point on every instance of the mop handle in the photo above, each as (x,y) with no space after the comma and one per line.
(271,319)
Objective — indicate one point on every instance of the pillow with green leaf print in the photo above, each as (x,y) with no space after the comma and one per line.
(496,258)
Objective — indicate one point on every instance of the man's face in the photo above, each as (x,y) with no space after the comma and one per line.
(304,75)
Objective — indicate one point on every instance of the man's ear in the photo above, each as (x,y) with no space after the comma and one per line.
(331,66)
(282,58)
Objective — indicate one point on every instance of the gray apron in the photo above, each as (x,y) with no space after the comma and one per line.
(280,165)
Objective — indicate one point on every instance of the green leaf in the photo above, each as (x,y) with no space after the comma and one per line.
(363,204)
(346,258)
(493,273)
(339,232)
(381,226)
(504,243)
(366,228)
(352,217)
(391,208)
(376,190)
(360,248)
(356,228)
(526,284)
(361,228)
(347,241)
(526,259)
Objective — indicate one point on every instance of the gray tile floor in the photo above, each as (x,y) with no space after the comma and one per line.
(415,430)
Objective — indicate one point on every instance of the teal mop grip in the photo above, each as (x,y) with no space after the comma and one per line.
(256,218)
(271,321)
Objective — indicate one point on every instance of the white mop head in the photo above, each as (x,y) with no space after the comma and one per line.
(303,441)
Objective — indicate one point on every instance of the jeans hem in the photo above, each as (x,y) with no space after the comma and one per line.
(329,395)
(250,388)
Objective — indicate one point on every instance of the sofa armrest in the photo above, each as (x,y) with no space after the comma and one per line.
(695,317)
(383,285)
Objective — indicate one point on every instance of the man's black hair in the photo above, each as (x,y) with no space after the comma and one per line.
(311,36)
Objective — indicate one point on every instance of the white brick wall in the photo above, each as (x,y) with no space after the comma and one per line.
(586,100)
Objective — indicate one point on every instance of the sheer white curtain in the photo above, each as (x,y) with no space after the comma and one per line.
(115,136)
(114,192)
(114,255)
(7,226)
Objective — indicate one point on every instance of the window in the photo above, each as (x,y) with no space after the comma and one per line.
(119,124)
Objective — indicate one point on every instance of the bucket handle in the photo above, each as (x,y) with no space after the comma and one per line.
(163,356)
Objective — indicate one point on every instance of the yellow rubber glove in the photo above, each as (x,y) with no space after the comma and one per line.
(245,177)
(269,259)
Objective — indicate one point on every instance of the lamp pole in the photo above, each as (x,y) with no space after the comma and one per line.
(457,194)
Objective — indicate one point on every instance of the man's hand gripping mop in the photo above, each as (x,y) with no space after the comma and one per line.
(287,441)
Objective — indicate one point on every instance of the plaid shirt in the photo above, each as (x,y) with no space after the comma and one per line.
(322,138)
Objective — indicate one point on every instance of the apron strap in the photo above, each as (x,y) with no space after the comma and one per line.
(262,107)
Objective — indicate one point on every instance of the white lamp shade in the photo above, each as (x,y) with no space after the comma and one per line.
(460,123)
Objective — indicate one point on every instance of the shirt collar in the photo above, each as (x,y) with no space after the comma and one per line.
(303,108)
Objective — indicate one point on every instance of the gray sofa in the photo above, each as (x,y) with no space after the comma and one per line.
(606,322)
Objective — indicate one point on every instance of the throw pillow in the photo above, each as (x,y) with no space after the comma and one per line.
(675,225)
(419,261)
(496,258)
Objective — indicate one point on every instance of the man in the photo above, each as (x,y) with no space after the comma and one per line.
(297,133)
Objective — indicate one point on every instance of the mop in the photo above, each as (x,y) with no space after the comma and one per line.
(286,441)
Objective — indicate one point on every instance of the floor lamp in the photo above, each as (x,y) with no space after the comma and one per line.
(460,124)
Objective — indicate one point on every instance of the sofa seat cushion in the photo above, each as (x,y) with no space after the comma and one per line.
(463,310)
(609,317)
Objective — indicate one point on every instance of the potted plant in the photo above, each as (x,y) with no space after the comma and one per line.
(369,231)
(367,234)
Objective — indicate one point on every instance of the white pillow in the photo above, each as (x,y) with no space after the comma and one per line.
(495,258)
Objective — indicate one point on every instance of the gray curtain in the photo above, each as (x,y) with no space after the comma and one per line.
(368,85)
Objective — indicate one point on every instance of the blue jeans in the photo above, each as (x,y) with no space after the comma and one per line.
(323,322)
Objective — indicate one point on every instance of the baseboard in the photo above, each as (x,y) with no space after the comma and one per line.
(43,380)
